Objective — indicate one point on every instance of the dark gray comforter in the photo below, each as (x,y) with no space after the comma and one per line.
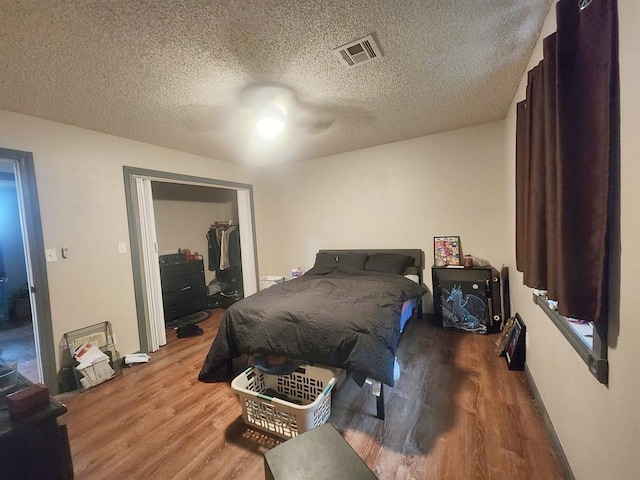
(336,316)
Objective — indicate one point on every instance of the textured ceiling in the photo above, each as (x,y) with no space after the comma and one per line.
(170,72)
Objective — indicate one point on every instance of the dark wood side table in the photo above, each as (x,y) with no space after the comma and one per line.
(36,448)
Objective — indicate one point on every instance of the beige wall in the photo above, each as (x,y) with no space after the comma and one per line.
(398,195)
(598,426)
(82,203)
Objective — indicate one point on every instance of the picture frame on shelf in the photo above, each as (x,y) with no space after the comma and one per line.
(515,351)
(446,251)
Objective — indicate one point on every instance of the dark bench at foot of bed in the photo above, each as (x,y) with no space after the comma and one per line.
(319,454)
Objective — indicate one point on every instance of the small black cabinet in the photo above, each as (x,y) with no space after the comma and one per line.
(470,299)
(184,289)
(36,447)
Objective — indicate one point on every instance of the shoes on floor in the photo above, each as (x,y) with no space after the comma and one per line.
(191,330)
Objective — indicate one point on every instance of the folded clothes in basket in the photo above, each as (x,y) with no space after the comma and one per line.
(275,365)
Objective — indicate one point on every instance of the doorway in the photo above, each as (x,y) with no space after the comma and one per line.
(144,244)
(26,334)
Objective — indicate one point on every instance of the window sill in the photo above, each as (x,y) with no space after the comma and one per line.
(598,366)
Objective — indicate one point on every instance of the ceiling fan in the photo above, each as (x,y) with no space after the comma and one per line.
(266,120)
(273,108)
(264,114)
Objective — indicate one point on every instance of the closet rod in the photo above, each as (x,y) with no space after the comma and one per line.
(224,224)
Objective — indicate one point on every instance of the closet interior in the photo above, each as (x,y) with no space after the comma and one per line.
(198,238)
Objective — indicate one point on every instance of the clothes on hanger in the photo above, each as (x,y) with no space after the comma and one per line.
(224,246)
(213,241)
(225,259)
(225,262)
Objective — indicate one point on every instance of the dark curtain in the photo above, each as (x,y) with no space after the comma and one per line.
(522,185)
(535,242)
(566,143)
(552,207)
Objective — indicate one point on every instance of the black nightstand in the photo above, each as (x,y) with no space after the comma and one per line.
(470,299)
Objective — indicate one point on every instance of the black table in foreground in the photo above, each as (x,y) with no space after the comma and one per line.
(319,454)
(36,448)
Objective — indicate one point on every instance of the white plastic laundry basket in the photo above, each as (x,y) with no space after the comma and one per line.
(308,388)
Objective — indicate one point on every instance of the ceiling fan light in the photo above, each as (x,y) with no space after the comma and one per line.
(270,128)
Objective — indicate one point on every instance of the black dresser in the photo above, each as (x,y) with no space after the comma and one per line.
(184,289)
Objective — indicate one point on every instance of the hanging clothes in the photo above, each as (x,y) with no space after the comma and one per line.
(233,249)
(213,242)
(225,258)
(224,247)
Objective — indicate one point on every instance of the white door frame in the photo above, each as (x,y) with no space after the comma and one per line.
(147,286)
(156,333)
(247,243)
(32,236)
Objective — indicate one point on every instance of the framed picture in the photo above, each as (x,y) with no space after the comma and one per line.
(515,351)
(500,346)
(446,251)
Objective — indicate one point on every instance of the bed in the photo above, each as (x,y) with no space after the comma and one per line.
(348,311)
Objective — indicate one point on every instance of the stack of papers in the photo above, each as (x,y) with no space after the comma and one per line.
(133,358)
(93,364)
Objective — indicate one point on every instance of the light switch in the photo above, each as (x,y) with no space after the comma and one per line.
(50,255)
(122,247)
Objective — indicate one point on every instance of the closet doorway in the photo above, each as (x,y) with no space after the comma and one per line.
(143,189)
(185,213)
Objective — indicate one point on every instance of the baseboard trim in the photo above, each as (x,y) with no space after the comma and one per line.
(566,468)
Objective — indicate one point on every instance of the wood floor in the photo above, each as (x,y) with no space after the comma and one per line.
(456,413)
(17,343)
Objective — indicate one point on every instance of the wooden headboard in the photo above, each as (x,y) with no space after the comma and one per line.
(417,254)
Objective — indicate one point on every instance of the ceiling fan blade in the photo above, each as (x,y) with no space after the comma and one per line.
(315,124)
(320,117)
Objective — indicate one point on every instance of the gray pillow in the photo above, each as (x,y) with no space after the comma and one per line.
(388,263)
(355,260)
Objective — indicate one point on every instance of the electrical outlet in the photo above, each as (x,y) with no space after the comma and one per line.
(65,252)
(50,255)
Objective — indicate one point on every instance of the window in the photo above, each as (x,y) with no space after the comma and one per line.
(568,178)
(587,338)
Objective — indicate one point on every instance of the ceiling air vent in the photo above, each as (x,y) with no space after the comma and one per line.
(358,52)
